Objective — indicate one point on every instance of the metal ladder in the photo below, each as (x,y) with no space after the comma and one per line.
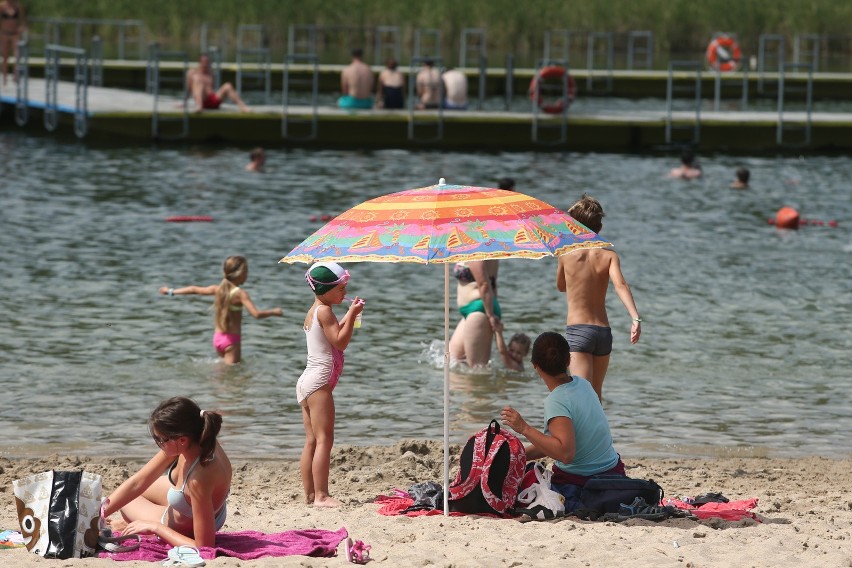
(22,93)
(254,66)
(214,38)
(558,125)
(593,53)
(764,51)
(429,122)
(155,81)
(302,39)
(806,50)
(784,89)
(473,45)
(289,120)
(557,46)
(52,66)
(96,62)
(386,44)
(689,85)
(636,49)
(427,45)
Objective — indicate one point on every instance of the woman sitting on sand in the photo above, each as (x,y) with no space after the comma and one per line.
(577,434)
(187,505)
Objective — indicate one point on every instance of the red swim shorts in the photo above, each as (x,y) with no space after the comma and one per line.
(211,101)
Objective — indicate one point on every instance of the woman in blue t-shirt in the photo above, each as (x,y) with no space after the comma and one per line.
(576,432)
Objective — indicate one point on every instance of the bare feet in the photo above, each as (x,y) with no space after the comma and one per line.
(327,502)
(309,499)
(117,525)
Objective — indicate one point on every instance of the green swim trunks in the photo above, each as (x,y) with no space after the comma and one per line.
(479,306)
(348,101)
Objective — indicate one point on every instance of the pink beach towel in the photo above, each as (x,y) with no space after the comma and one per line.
(247,545)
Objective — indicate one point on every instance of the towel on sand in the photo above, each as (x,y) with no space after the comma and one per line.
(731,511)
(247,545)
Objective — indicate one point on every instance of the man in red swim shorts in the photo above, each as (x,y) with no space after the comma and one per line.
(199,85)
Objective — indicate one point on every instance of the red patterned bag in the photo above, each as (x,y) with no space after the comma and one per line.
(491,467)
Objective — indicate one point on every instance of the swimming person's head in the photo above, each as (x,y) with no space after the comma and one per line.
(519,346)
(506,183)
(550,353)
(589,212)
(743,175)
(687,157)
(180,417)
(323,277)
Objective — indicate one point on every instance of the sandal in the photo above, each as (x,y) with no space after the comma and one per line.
(639,509)
(357,552)
(184,555)
(110,543)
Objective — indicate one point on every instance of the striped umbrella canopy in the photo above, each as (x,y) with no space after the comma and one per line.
(443,224)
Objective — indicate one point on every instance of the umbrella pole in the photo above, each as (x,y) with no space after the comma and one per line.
(446,389)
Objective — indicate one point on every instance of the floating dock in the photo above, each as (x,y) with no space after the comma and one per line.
(122,115)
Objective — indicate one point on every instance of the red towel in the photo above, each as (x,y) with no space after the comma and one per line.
(731,511)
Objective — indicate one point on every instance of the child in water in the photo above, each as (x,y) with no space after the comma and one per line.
(326,338)
(230,301)
(513,354)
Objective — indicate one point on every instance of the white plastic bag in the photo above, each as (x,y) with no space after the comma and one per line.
(538,500)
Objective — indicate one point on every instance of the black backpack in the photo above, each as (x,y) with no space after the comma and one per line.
(491,467)
(605,493)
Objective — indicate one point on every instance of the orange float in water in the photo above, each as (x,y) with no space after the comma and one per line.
(787,218)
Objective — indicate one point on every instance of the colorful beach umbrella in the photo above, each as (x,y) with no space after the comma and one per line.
(444,224)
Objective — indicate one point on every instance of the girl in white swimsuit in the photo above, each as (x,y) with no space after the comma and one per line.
(326,339)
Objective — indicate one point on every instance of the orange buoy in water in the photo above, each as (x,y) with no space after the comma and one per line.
(787,218)
(189,218)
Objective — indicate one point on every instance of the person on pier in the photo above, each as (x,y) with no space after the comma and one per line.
(199,85)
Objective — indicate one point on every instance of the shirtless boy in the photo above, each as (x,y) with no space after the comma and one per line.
(199,85)
(584,276)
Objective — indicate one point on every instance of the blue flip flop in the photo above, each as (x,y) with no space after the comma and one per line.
(184,555)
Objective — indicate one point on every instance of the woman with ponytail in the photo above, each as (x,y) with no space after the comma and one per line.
(180,494)
(229,304)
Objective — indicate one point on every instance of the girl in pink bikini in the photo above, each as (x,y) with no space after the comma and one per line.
(326,338)
(230,301)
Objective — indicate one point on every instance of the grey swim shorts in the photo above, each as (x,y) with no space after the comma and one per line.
(586,338)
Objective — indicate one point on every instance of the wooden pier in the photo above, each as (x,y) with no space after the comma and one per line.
(123,116)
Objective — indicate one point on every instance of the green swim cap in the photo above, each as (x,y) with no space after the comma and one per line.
(325,276)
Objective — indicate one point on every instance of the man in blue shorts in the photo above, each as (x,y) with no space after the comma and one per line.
(584,276)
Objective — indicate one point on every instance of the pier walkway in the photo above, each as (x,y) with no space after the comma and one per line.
(120,115)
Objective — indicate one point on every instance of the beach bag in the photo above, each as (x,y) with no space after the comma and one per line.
(491,467)
(537,498)
(605,493)
(59,513)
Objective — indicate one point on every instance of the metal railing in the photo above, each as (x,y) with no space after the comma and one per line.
(593,56)
(640,44)
(386,43)
(122,32)
(765,51)
(156,81)
(22,90)
(806,50)
(214,37)
(254,63)
(52,67)
(427,45)
(96,62)
(556,121)
(784,89)
(288,120)
(691,85)
(415,115)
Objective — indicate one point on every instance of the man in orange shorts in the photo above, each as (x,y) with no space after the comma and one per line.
(199,85)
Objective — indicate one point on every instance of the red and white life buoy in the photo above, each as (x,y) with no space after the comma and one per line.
(724,54)
(560,104)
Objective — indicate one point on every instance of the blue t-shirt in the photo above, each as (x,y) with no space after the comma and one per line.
(593,441)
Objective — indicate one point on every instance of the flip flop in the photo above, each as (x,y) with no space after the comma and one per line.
(184,555)
(357,552)
(111,543)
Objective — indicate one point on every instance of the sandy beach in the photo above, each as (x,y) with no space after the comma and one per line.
(804,505)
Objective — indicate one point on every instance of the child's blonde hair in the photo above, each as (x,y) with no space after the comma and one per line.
(589,212)
(235,269)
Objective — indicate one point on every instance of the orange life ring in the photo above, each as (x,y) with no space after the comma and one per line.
(724,54)
(560,104)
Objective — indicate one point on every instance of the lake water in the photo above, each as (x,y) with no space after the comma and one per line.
(746,338)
